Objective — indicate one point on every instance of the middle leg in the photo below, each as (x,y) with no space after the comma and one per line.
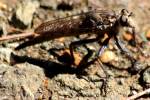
(77,43)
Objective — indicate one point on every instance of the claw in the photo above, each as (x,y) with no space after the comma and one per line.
(103,88)
(136,67)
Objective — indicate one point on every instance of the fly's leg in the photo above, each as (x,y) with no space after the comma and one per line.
(128,54)
(123,50)
(77,43)
(101,50)
(134,40)
(82,65)
(105,80)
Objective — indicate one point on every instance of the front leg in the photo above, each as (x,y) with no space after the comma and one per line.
(127,53)
(120,46)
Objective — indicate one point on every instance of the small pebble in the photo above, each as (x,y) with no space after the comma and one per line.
(127,36)
(146,76)
(148,34)
(5,55)
(108,56)
(26,10)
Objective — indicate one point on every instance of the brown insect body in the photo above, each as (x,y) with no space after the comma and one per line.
(77,24)
(93,22)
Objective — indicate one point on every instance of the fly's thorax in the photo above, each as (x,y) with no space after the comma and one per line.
(105,21)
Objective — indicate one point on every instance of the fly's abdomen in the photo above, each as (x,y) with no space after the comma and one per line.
(64,27)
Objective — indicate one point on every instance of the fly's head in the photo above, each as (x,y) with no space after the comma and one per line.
(126,19)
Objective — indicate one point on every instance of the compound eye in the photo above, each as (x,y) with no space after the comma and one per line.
(124,12)
(124,19)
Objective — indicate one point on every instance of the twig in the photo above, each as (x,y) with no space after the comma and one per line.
(22,35)
(139,94)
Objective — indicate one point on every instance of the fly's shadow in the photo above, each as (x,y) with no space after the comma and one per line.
(52,68)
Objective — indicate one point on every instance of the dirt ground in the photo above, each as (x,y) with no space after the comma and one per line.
(37,73)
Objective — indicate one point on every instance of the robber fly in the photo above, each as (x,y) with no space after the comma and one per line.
(98,22)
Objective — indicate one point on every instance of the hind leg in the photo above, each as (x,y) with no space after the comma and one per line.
(78,43)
